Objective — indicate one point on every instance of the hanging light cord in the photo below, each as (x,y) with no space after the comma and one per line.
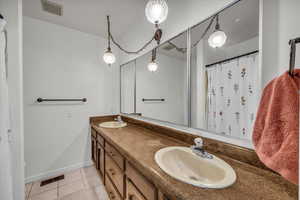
(131,52)
(207,29)
(183,50)
(110,37)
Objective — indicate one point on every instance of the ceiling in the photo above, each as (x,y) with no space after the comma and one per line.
(240,23)
(90,15)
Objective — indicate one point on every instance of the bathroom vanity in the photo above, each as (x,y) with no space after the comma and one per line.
(125,160)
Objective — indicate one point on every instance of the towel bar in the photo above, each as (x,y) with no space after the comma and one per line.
(39,100)
(153,100)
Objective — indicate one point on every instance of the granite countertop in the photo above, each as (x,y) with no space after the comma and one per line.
(139,145)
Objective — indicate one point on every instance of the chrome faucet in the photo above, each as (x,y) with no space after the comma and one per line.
(199,150)
(119,119)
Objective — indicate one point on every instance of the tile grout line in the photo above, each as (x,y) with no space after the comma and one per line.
(83,180)
(27,196)
(57,192)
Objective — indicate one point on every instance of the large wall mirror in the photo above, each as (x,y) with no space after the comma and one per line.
(207,77)
(224,80)
(127,73)
(162,94)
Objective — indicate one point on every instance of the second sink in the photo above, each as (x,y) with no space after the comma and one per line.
(113,124)
(182,164)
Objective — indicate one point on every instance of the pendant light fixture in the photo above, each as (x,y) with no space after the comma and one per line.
(218,37)
(108,57)
(152,66)
(156,11)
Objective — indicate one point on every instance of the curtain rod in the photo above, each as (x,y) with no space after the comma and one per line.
(233,58)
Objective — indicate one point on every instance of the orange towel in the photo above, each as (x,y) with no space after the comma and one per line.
(276,129)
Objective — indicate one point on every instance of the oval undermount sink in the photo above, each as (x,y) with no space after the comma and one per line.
(181,163)
(113,124)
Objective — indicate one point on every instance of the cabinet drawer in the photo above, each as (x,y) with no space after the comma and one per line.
(115,155)
(115,174)
(144,186)
(111,191)
(100,140)
(132,192)
(94,133)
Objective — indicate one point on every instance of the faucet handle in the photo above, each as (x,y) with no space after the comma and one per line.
(198,142)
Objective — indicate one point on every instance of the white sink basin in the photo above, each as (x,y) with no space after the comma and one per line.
(181,163)
(113,124)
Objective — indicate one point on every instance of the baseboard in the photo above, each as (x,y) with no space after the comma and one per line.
(57,172)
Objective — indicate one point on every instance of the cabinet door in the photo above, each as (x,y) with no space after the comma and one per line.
(111,191)
(94,150)
(100,159)
(148,190)
(102,164)
(115,173)
(132,192)
(161,196)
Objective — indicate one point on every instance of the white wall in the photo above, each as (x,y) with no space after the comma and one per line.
(279,24)
(182,15)
(168,83)
(63,63)
(12,11)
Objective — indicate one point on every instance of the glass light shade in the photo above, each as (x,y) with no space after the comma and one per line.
(152,66)
(109,58)
(217,39)
(156,11)
(2,24)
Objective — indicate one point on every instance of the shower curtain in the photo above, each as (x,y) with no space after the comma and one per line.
(5,153)
(233,96)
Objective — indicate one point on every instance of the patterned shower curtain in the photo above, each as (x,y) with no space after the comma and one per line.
(233,96)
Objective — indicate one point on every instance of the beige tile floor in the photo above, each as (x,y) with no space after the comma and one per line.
(81,184)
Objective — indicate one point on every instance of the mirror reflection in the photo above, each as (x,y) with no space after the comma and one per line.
(224,71)
(161,82)
(223,79)
(127,72)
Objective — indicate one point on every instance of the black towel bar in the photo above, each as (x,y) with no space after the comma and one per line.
(153,99)
(39,100)
(292,44)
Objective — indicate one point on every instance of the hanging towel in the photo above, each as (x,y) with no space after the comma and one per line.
(276,129)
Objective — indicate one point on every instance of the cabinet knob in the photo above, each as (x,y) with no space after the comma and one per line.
(112,172)
(111,195)
(111,154)
(131,197)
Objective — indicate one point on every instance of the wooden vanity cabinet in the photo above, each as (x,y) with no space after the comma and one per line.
(115,173)
(135,179)
(100,159)
(121,179)
(161,196)
(115,155)
(113,194)
(132,192)
(94,149)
